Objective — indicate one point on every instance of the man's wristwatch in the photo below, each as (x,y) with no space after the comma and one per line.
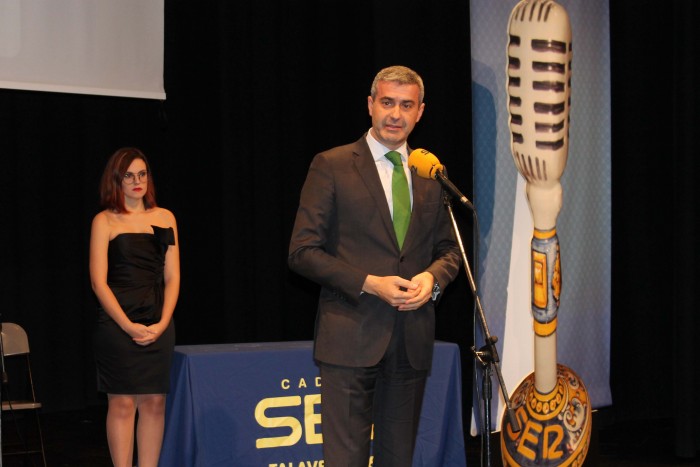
(436,291)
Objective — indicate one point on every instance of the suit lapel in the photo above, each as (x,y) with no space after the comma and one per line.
(420,187)
(367,169)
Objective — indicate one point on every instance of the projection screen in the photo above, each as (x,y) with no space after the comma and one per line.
(102,47)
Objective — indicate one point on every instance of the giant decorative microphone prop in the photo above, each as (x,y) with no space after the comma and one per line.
(552,403)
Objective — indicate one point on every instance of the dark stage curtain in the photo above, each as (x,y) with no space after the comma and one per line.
(255,89)
(655,361)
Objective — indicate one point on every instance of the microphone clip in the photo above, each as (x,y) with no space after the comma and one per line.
(452,189)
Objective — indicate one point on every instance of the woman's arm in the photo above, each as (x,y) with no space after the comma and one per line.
(171,274)
(99,243)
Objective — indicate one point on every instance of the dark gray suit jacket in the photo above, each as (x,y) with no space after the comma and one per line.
(343,232)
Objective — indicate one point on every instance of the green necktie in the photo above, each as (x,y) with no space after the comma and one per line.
(401,197)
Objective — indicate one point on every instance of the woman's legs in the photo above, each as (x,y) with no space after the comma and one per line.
(121,416)
(121,412)
(150,427)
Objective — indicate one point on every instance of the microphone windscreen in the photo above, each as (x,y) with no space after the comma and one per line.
(424,162)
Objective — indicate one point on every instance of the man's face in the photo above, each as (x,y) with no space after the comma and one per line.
(395,112)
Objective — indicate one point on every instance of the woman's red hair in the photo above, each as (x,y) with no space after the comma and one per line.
(111,192)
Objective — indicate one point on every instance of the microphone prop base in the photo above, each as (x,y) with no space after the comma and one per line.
(556,427)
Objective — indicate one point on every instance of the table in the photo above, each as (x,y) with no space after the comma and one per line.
(258,405)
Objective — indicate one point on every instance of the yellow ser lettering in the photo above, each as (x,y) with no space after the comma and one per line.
(277,422)
(530,435)
(550,450)
(312,419)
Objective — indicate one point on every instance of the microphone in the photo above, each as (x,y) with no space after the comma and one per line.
(426,165)
(539,102)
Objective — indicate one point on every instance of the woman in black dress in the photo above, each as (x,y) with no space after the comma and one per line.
(135,274)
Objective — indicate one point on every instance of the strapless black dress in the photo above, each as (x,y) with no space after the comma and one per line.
(135,275)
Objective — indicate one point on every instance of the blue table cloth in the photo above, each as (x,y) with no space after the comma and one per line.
(258,405)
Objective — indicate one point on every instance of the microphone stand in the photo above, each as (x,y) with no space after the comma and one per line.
(487,355)
(4,380)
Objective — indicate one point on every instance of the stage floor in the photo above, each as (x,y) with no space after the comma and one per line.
(77,439)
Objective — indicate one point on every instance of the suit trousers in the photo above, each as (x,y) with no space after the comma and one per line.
(388,395)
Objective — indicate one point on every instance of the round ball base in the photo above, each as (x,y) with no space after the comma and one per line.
(555,428)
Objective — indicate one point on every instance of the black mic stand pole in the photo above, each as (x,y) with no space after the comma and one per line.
(486,355)
(4,380)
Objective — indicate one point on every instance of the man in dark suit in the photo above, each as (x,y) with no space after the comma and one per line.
(375,326)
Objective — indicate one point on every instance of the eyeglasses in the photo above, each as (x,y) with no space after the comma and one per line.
(130,178)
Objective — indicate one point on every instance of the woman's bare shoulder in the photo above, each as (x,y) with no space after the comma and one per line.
(103,218)
(165,215)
